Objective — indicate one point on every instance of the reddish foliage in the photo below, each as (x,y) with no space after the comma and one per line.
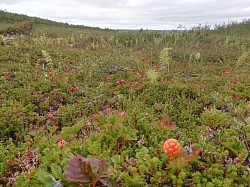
(237,97)
(123,114)
(166,124)
(87,170)
(73,90)
(191,156)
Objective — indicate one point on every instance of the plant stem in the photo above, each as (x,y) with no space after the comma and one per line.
(94,183)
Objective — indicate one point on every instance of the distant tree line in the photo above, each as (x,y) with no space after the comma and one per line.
(234,26)
(15,23)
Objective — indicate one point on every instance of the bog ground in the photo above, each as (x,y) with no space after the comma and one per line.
(89,107)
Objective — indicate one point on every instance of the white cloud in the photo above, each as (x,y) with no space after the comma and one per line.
(151,14)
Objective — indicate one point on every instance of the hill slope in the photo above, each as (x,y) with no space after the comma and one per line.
(17,23)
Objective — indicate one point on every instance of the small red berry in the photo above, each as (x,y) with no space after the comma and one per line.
(117,82)
(136,83)
(122,81)
(50,74)
(50,116)
(226,72)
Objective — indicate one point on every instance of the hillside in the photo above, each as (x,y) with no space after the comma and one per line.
(93,107)
(8,17)
(22,24)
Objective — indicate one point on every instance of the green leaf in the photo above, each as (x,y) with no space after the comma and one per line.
(45,177)
(57,171)
(51,185)
(67,131)
(235,146)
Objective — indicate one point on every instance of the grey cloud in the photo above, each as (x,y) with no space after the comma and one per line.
(11,2)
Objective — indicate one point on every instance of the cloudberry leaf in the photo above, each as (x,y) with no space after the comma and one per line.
(87,170)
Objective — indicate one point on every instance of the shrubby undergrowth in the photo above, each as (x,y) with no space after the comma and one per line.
(95,108)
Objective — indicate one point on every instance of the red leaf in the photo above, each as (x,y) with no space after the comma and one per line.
(74,171)
(87,170)
(191,156)
(237,97)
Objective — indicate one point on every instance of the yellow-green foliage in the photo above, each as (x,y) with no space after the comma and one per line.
(67,132)
(152,76)
(197,57)
(215,118)
(165,58)
(243,59)
(24,27)
(47,58)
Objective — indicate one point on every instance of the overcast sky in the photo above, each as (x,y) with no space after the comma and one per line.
(133,14)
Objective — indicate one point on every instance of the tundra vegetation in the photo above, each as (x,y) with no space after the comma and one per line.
(85,106)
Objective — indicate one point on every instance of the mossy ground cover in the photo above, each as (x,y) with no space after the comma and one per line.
(105,102)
